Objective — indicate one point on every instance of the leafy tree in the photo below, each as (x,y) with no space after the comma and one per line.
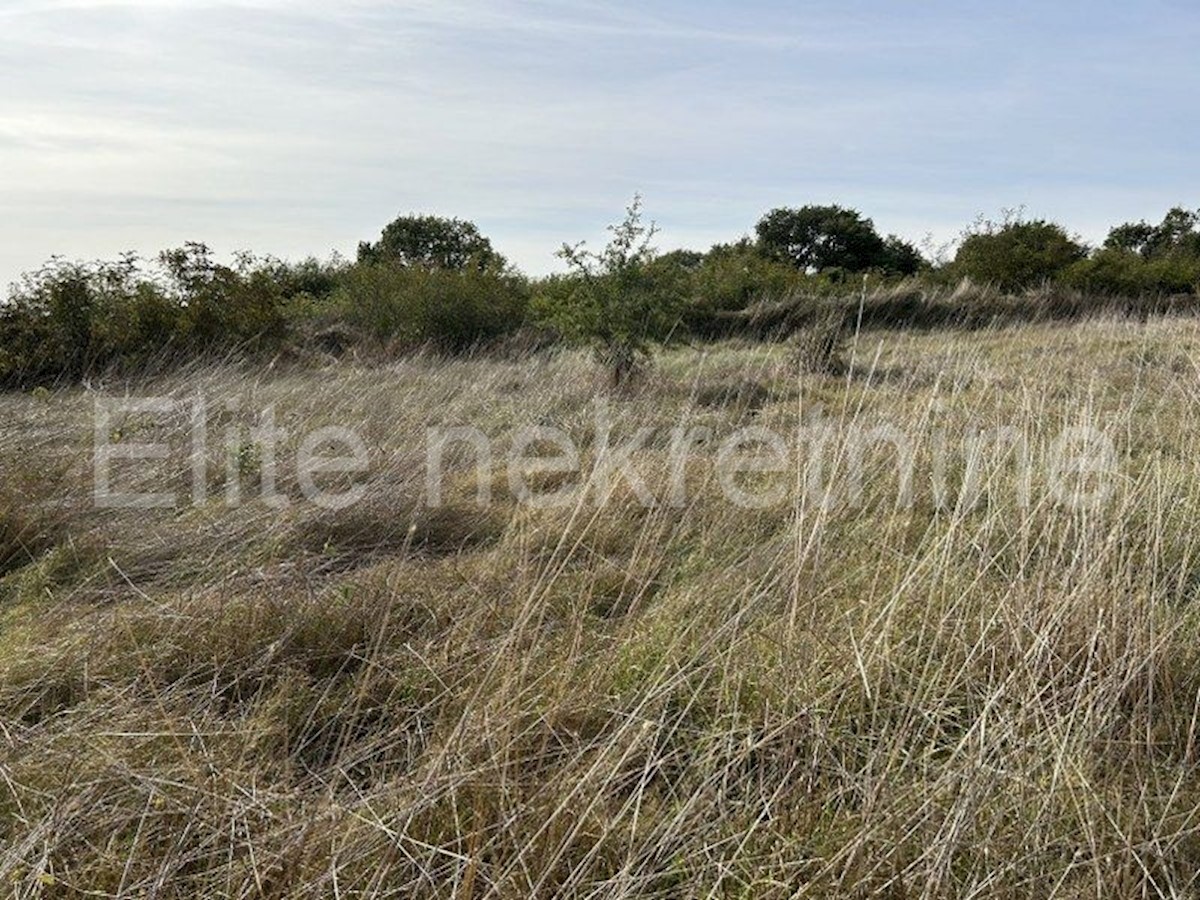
(823,238)
(619,303)
(1177,233)
(816,238)
(900,257)
(1132,237)
(432,242)
(1016,253)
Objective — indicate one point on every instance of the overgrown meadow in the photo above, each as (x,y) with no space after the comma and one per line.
(940,660)
(976,694)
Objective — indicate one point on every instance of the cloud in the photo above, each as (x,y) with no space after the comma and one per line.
(296,127)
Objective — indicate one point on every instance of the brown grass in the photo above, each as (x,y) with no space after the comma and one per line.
(603,700)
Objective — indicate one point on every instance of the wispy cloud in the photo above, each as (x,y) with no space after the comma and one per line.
(295,126)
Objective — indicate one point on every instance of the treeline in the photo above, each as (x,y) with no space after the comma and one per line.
(438,282)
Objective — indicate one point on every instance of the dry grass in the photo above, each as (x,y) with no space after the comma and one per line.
(812,699)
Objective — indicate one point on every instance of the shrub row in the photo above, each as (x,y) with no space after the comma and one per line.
(69,320)
(438,283)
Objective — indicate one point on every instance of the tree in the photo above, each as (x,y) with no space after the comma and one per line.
(1177,233)
(618,302)
(432,242)
(1015,253)
(1132,237)
(820,238)
(900,257)
(815,238)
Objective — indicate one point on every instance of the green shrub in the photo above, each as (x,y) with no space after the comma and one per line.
(616,301)
(309,278)
(225,306)
(453,310)
(68,319)
(1126,273)
(1015,254)
(732,277)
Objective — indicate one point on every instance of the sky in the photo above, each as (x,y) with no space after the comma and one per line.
(300,127)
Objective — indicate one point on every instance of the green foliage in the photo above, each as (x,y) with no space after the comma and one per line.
(900,257)
(1015,253)
(1127,273)
(431,281)
(732,276)
(617,301)
(1177,234)
(411,306)
(1139,259)
(1132,237)
(821,238)
(432,242)
(69,319)
(309,278)
(223,305)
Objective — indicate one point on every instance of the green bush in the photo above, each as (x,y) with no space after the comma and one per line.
(225,306)
(1015,254)
(412,306)
(616,301)
(70,318)
(1126,273)
(732,277)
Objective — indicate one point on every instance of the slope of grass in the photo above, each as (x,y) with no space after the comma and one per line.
(822,697)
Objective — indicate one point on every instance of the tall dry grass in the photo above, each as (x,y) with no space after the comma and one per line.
(820,698)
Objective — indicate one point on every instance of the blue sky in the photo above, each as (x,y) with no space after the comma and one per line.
(302,127)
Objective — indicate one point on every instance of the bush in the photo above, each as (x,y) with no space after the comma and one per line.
(1016,254)
(412,306)
(731,277)
(224,306)
(70,318)
(1126,273)
(308,279)
(616,301)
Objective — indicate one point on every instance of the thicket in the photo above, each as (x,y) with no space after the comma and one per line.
(439,283)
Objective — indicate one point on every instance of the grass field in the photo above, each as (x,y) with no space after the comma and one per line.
(989,692)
